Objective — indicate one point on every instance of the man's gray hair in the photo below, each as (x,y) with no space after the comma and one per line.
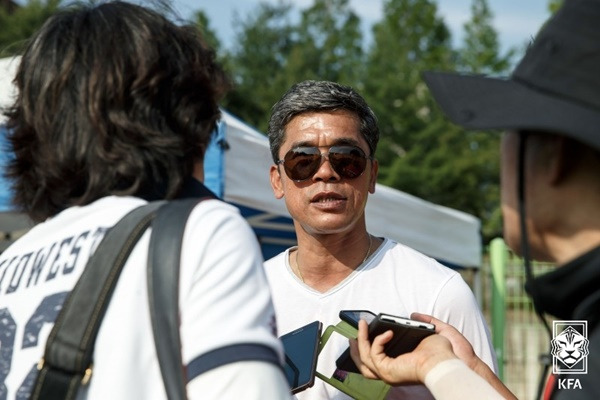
(310,96)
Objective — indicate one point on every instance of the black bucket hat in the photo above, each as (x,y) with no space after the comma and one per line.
(555,87)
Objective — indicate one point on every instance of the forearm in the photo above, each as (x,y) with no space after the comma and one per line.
(483,370)
(452,379)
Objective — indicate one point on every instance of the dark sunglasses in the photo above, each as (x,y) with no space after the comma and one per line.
(301,163)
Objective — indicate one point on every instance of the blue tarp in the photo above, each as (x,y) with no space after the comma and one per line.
(5,202)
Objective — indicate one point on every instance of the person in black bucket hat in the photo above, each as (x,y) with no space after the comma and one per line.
(549,109)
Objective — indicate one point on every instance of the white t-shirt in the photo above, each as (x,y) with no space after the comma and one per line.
(395,280)
(227,319)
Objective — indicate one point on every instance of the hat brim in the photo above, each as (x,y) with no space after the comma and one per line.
(479,102)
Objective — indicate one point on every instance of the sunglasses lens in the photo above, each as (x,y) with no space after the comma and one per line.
(348,161)
(302,162)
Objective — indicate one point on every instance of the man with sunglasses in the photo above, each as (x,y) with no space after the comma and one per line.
(323,138)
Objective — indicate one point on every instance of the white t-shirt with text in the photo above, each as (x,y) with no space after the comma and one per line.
(227,325)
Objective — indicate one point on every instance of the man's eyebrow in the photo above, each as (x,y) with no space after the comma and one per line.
(349,141)
(336,142)
(302,143)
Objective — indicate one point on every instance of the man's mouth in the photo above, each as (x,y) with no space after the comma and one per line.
(327,197)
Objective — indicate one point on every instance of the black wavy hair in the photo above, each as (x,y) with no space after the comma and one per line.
(113,99)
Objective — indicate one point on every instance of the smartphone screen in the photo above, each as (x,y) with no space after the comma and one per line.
(301,348)
(353,316)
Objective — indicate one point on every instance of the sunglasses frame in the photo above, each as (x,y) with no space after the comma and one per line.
(325,155)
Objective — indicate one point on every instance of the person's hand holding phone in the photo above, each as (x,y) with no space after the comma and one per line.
(407,334)
(460,345)
(464,351)
(407,368)
(446,344)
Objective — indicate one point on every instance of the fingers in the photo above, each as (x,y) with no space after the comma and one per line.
(422,317)
(364,347)
(358,360)
(363,330)
(408,368)
(377,346)
(439,324)
(371,354)
(460,345)
(364,353)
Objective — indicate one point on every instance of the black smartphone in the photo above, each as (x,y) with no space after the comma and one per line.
(408,334)
(353,316)
(301,349)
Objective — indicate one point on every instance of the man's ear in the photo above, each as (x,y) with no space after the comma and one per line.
(373,178)
(276,182)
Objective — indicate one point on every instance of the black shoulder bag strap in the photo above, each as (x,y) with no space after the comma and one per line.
(67,361)
(164,254)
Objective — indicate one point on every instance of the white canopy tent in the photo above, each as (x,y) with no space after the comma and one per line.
(237,169)
(8,69)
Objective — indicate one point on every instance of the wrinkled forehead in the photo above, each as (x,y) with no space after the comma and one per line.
(324,129)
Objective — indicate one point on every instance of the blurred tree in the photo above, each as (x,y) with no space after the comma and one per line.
(328,45)
(202,22)
(481,50)
(420,151)
(408,40)
(8,5)
(272,54)
(16,26)
(554,5)
(264,40)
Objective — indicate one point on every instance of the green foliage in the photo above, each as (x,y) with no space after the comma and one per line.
(554,5)
(201,21)
(481,51)
(329,44)
(264,43)
(272,53)
(399,54)
(17,27)
(203,24)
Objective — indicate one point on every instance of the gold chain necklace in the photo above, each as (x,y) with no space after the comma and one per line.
(362,262)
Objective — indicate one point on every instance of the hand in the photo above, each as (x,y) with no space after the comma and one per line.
(460,345)
(407,368)
(464,351)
